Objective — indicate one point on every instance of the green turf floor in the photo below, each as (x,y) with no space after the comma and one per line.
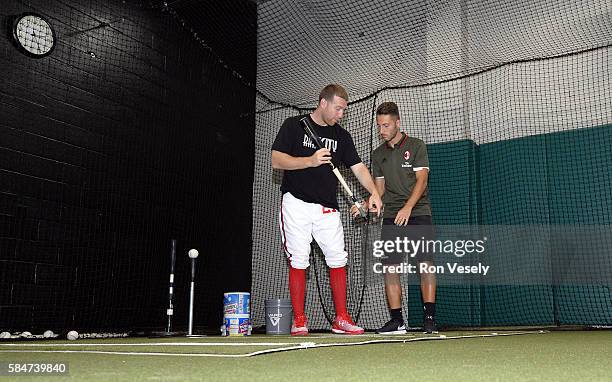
(554,356)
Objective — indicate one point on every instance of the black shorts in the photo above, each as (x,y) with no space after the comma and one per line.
(418,231)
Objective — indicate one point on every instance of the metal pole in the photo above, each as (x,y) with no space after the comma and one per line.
(170,310)
(193,254)
(190,332)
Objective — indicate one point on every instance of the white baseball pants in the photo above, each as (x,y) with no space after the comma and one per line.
(300,222)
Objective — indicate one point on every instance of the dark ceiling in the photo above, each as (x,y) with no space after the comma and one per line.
(229,28)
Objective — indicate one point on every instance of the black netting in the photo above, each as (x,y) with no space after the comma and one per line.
(370,45)
(111,146)
(514,104)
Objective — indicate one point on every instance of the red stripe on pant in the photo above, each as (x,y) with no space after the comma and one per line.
(283,230)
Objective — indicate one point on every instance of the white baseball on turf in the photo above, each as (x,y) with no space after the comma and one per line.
(72,335)
(5,335)
(48,334)
(193,253)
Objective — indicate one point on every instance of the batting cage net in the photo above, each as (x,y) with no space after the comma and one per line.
(111,146)
(513,101)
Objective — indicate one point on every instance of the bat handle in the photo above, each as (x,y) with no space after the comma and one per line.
(362,212)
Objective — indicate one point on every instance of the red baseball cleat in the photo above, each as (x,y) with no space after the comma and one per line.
(344,325)
(298,328)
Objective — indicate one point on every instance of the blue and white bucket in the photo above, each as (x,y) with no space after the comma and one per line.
(236,303)
(236,314)
(236,325)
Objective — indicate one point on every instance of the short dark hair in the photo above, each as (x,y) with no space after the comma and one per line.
(332,90)
(388,108)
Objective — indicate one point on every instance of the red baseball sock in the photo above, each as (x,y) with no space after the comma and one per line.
(297,288)
(337,280)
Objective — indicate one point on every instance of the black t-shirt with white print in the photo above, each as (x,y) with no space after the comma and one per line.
(314,184)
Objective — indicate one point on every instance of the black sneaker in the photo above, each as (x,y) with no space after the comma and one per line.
(394,326)
(429,325)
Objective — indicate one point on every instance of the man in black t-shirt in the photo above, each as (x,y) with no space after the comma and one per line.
(309,207)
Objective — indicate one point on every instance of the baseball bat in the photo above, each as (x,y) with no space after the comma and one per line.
(319,144)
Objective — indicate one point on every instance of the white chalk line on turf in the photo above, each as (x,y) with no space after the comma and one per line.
(304,345)
(220,343)
(16,344)
(158,353)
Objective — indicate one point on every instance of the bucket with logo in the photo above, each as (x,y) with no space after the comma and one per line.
(278,316)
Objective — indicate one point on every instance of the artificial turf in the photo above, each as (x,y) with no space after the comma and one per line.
(553,356)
